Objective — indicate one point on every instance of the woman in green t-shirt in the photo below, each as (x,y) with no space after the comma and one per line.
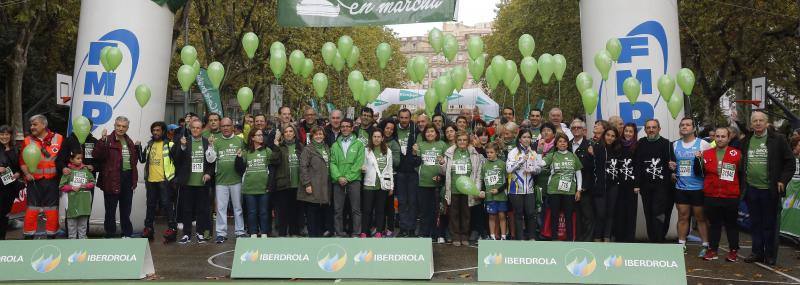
(461,160)
(253,165)
(431,153)
(564,185)
(378,184)
(288,212)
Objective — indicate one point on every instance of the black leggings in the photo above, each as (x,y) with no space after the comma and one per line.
(558,203)
(721,212)
(426,201)
(288,212)
(373,200)
(604,209)
(316,215)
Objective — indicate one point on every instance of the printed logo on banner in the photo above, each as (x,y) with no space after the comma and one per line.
(612,261)
(100,92)
(364,256)
(580,262)
(332,258)
(77,256)
(46,258)
(493,259)
(406,95)
(644,42)
(250,255)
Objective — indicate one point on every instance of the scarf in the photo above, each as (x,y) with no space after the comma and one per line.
(627,143)
(548,145)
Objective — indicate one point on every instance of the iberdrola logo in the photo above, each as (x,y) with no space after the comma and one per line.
(612,261)
(331,258)
(364,256)
(580,262)
(77,256)
(493,259)
(46,258)
(250,255)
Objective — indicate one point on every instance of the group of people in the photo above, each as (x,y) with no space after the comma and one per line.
(402,176)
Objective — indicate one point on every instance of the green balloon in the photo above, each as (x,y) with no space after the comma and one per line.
(250,44)
(589,98)
(345,45)
(491,79)
(276,47)
(547,66)
(81,128)
(529,67)
(277,63)
(686,80)
(430,101)
(499,66)
(114,58)
(308,68)
(186,77)
(356,83)
(443,86)
(142,95)
(526,45)
(511,71)
(420,67)
(475,47)
(338,62)
(459,76)
(383,52)
(436,40)
(32,154)
(216,72)
(561,66)
(614,47)
(602,60)
(450,48)
(631,87)
(476,68)
(352,60)
(372,89)
(320,83)
(666,86)
(188,54)
(296,60)
(465,185)
(584,81)
(328,53)
(514,84)
(245,97)
(196,68)
(410,70)
(675,104)
(104,57)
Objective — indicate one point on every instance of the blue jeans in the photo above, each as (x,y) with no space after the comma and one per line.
(257,213)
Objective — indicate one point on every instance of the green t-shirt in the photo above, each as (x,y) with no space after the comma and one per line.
(462,166)
(509,146)
(79,201)
(256,174)
(207,133)
(294,166)
(430,153)
(322,150)
(494,177)
(381,158)
(126,156)
(402,138)
(198,158)
(562,167)
(757,163)
(363,136)
(226,160)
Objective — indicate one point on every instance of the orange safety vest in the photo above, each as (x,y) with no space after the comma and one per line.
(46,169)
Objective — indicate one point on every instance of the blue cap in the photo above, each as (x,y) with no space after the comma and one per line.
(172,127)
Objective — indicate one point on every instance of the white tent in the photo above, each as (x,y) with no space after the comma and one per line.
(414,99)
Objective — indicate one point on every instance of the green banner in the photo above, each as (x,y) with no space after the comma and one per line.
(210,94)
(331,258)
(340,13)
(75,259)
(790,215)
(581,262)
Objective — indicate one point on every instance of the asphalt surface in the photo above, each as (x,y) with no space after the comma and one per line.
(211,262)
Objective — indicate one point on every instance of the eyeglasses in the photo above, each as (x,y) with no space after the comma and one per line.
(576,127)
(347,126)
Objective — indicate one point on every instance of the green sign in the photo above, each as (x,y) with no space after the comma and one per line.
(340,13)
(75,259)
(790,216)
(581,262)
(331,258)
(210,94)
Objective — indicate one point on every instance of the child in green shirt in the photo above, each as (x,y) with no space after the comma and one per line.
(77,186)
(563,185)
(494,183)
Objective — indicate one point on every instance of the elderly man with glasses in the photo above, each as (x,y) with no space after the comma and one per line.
(585,210)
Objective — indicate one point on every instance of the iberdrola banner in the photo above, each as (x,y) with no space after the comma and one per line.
(333,258)
(790,216)
(340,13)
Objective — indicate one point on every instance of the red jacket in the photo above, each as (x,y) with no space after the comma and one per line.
(109,152)
(722,178)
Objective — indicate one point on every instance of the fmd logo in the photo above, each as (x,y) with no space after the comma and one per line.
(645,55)
(104,90)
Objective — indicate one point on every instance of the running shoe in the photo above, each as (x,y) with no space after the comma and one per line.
(710,255)
(184,240)
(200,238)
(733,256)
(220,239)
(702,252)
(377,235)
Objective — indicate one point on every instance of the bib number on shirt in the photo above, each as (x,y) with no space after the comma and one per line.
(7,177)
(77,181)
(564,185)
(461,169)
(727,172)
(197,167)
(87,150)
(685,168)
(429,159)
(492,179)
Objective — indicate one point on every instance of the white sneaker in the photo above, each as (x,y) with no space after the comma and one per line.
(440,240)
(254,236)
(184,240)
(264,235)
(200,238)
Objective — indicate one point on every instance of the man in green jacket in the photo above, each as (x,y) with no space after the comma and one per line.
(347,157)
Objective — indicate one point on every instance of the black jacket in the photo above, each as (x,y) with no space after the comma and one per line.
(71,143)
(183,162)
(582,152)
(409,161)
(10,158)
(281,173)
(780,162)
(651,162)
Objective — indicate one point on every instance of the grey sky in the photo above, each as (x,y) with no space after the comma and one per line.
(469,12)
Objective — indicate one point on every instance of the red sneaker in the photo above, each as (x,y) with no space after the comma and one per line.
(362,235)
(710,254)
(377,235)
(148,233)
(170,235)
(732,256)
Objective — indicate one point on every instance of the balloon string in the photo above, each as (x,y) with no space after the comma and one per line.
(559,93)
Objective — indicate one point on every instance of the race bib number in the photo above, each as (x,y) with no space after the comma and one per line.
(727,172)
(564,185)
(461,169)
(77,181)
(87,150)
(403,149)
(197,167)
(7,177)
(492,179)
(685,168)
(429,159)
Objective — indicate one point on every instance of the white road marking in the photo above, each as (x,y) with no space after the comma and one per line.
(211,260)
(796,280)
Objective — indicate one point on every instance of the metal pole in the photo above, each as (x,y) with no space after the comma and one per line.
(186,42)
